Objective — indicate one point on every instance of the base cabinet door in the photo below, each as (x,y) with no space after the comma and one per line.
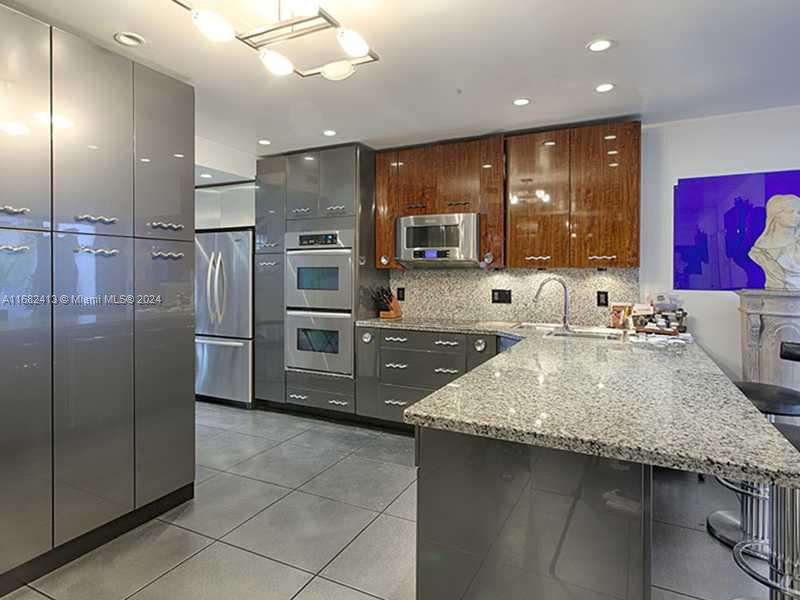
(24,142)
(269,326)
(164,166)
(25,405)
(164,367)
(93,382)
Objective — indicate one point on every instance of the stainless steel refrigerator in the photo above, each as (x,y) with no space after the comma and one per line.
(224,306)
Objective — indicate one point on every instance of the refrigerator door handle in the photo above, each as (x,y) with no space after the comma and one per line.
(218,273)
(224,290)
(208,286)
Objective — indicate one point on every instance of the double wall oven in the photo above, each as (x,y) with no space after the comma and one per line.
(319,300)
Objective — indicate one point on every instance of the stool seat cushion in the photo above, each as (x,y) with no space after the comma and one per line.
(772,399)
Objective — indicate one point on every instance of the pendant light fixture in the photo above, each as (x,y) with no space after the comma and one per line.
(307,18)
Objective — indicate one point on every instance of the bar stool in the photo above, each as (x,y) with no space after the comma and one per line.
(782,546)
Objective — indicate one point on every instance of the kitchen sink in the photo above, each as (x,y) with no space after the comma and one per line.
(594,334)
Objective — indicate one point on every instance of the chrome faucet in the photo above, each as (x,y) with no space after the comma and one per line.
(560,280)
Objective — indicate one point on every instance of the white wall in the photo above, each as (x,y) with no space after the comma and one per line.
(767,140)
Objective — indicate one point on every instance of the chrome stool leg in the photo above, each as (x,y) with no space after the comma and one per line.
(783,548)
(751,522)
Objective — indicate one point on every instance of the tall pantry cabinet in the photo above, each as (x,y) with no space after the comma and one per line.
(115,429)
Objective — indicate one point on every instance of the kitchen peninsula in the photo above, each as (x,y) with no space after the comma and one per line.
(536,466)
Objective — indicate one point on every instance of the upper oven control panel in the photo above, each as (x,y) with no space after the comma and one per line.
(319,239)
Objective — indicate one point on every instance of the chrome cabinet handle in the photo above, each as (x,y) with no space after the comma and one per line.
(612,257)
(395,366)
(529,258)
(395,402)
(225,343)
(162,225)
(336,207)
(447,371)
(96,219)
(271,263)
(170,255)
(445,343)
(96,251)
(271,245)
(13,210)
(14,249)
(463,203)
(338,402)
(400,340)
(298,397)
(416,205)
(300,210)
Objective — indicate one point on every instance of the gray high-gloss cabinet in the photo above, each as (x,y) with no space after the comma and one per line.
(93,382)
(164,165)
(337,181)
(92,138)
(302,185)
(164,367)
(270,204)
(269,313)
(25,407)
(24,139)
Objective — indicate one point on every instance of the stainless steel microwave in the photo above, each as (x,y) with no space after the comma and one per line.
(448,240)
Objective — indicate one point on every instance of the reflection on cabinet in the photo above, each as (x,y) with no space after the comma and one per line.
(92,138)
(269,317)
(302,185)
(93,383)
(386,209)
(25,410)
(164,165)
(418,170)
(270,204)
(538,199)
(605,180)
(164,367)
(24,140)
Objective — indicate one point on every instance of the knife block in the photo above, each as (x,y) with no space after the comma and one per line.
(394,312)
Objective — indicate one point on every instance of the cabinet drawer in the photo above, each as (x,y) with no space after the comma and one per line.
(425,369)
(390,402)
(451,343)
(320,399)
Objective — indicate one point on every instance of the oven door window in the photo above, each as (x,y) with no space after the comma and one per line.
(318,340)
(433,236)
(318,278)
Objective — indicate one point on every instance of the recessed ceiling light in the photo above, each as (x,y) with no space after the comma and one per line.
(521,102)
(549,143)
(604,87)
(206,175)
(128,38)
(264,142)
(329,133)
(600,45)
(178,155)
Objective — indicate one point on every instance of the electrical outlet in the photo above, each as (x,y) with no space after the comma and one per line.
(401,294)
(602,298)
(501,296)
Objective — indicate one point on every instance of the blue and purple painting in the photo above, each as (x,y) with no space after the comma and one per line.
(717,222)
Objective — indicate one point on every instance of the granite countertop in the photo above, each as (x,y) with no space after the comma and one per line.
(477,327)
(630,401)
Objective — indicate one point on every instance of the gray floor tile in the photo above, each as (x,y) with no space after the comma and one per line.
(405,506)
(680,499)
(322,589)
(344,438)
(202,473)
(302,530)
(289,464)
(204,432)
(659,594)
(124,565)
(225,450)
(272,425)
(222,503)
(222,572)
(363,482)
(26,593)
(390,447)
(381,561)
(693,563)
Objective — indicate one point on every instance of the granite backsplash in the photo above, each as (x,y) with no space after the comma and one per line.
(466,294)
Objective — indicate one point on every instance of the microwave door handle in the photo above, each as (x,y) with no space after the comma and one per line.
(211,313)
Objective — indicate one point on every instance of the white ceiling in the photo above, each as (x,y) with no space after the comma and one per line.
(451,69)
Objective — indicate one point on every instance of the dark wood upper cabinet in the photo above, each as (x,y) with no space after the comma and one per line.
(386,208)
(605,182)
(492,206)
(458,182)
(417,175)
(538,199)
